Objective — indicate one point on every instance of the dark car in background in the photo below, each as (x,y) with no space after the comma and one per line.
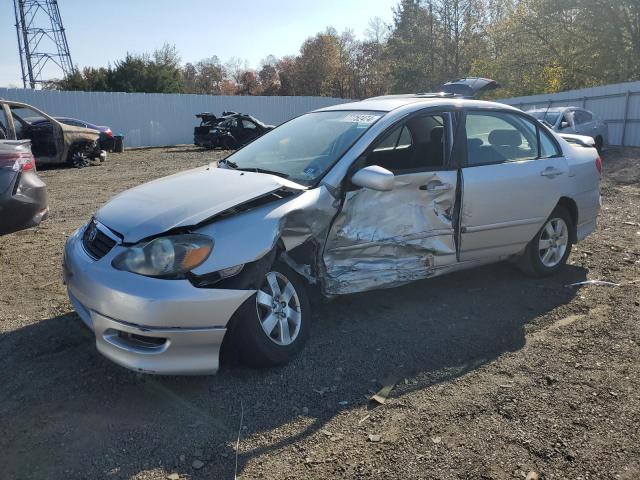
(23,196)
(229,131)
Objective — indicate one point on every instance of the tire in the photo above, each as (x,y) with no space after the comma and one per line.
(599,144)
(79,160)
(254,346)
(557,229)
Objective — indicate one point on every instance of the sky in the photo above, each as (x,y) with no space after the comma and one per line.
(100,32)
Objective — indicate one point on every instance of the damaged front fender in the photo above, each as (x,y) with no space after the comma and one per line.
(246,237)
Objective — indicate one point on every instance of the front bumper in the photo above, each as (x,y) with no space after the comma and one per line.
(150,325)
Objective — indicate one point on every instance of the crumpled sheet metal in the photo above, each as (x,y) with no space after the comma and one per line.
(251,235)
(386,239)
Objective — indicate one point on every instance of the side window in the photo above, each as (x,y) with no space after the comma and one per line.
(20,116)
(548,147)
(417,144)
(249,125)
(398,139)
(583,117)
(499,137)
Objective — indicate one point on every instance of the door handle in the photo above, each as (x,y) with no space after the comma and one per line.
(551,172)
(436,187)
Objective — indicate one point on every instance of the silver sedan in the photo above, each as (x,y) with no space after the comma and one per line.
(574,120)
(349,198)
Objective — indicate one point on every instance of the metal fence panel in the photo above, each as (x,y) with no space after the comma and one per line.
(617,104)
(154,119)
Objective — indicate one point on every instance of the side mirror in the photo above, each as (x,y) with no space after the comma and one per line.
(564,125)
(374,177)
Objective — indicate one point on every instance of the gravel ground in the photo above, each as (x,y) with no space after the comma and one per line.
(498,375)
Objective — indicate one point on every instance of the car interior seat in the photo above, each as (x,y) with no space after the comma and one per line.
(435,154)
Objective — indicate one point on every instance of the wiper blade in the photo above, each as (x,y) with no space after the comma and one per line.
(262,170)
(228,163)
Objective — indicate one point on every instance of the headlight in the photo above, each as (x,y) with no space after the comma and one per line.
(168,257)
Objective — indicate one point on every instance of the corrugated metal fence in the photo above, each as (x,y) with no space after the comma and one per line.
(617,104)
(153,119)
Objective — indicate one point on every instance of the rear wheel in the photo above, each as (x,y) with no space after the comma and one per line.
(599,143)
(548,251)
(272,326)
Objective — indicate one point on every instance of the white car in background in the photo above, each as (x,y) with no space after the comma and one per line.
(574,120)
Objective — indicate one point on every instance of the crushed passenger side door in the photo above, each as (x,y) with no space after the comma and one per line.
(388,238)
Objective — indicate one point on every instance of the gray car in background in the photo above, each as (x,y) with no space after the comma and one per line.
(574,120)
(353,197)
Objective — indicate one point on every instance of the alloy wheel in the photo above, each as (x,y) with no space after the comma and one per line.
(553,242)
(278,308)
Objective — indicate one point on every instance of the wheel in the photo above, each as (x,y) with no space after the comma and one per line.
(548,251)
(79,160)
(273,325)
(599,143)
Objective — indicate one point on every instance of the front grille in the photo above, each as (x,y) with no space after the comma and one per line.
(96,242)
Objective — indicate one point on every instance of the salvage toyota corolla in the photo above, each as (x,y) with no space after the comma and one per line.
(348,198)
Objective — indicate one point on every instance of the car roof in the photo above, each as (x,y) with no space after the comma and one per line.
(414,102)
(551,109)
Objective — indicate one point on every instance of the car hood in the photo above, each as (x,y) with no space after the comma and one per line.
(184,199)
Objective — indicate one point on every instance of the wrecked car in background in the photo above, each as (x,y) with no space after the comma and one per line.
(52,142)
(574,120)
(353,197)
(23,196)
(229,131)
(106,141)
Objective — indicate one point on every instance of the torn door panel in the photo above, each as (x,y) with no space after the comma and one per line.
(386,239)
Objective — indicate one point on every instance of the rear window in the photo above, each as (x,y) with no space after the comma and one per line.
(550,117)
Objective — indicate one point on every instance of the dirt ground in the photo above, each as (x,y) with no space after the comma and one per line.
(499,375)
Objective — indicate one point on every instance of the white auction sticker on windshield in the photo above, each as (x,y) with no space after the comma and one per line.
(365,118)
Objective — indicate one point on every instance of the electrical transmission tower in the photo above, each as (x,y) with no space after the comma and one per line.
(42,42)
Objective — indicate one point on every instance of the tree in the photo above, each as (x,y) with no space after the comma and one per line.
(409,47)
(249,83)
(318,64)
(288,76)
(209,76)
(269,76)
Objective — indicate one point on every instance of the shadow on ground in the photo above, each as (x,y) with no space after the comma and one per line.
(66,412)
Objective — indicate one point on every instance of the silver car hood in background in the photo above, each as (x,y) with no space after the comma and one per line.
(183,200)
(583,140)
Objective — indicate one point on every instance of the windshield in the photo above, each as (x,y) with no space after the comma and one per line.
(303,149)
(550,117)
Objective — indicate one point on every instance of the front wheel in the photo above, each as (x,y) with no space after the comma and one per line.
(273,325)
(548,251)
(79,160)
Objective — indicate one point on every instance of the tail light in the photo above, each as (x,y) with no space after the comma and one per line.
(108,133)
(18,162)
(599,165)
